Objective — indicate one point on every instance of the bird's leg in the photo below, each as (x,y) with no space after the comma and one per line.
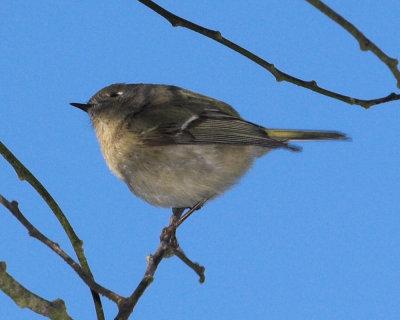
(169,233)
(187,214)
(169,242)
(176,215)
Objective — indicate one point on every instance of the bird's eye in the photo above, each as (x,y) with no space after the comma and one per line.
(115,94)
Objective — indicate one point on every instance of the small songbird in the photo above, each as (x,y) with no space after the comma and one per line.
(176,148)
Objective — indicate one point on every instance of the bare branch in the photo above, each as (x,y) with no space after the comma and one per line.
(24,174)
(279,75)
(168,247)
(364,42)
(26,299)
(35,233)
(125,308)
(193,265)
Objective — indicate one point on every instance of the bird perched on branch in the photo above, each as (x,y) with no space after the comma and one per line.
(176,148)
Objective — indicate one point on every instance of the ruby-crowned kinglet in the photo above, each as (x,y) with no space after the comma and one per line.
(177,148)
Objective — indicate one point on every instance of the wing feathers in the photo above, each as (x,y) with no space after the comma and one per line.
(213,126)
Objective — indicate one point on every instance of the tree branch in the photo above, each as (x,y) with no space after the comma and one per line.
(26,299)
(279,75)
(193,265)
(24,174)
(168,247)
(364,42)
(35,233)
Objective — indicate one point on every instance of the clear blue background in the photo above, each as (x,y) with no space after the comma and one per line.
(311,235)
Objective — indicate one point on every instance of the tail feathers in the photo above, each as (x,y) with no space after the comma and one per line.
(299,135)
(285,135)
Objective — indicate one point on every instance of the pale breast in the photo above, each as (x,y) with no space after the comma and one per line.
(182,175)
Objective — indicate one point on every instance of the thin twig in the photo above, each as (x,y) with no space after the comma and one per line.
(125,308)
(35,233)
(199,269)
(279,75)
(365,43)
(24,174)
(27,299)
(168,246)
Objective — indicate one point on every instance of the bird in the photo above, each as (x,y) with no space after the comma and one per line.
(178,149)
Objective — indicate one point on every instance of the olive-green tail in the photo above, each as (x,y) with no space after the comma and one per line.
(286,135)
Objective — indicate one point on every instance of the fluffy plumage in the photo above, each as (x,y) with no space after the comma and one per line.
(175,148)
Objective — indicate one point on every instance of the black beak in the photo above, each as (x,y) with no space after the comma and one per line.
(83,106)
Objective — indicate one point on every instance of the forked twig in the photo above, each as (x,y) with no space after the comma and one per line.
(24,174)
(365,43)
(279,75)
(168,247)
(12,206)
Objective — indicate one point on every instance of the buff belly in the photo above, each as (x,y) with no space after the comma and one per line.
(179,176)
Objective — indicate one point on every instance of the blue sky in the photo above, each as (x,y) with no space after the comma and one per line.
(311,235)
